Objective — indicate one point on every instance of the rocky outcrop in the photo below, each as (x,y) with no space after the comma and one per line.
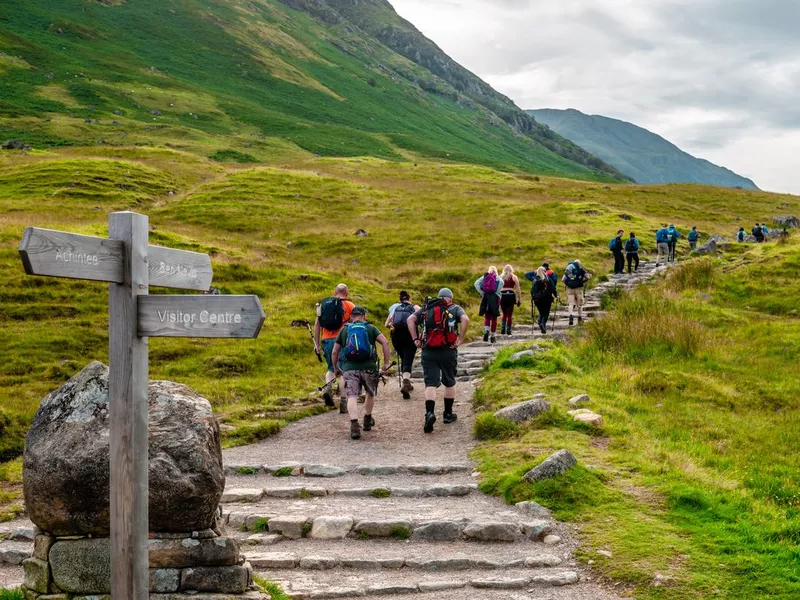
(786,221)
(66,459)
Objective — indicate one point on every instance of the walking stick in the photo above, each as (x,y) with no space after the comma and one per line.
(553,316)
(304,323)
(533,316)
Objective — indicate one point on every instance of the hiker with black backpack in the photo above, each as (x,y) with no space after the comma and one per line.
(758,233)
(443,327)
(575,277)
(403,344)
(510,297)
(333,313)
(489,287)
(543,292)
(356,346)
(632,252)
(617,246)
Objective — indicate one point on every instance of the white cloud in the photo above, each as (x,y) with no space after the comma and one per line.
(719,78)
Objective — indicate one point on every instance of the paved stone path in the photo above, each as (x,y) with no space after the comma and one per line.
(397,512)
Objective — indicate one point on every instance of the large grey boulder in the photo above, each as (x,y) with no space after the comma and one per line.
(553,465)
(517,413)
(66,464)
(710,247)
(786,221)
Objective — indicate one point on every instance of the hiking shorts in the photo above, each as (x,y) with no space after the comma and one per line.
(575,297)
(439,366)
(355,381)
(327,352)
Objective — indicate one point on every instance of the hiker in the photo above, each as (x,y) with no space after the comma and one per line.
(674,235)
(406,350)
(632,252)
(489,287)
(575,277)
(356,343)
(740,235)
(510,296)
(444,326)
(553,277)
(765,230)
(693,237)
(542,293)
(662,243)
(758,232)
(333,313)
(616,246)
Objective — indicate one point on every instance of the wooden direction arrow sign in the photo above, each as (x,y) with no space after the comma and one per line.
(73,256)
(200,316)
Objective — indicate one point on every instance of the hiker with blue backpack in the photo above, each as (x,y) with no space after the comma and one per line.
(489,287)
(740,235)
(674,236)
(356,345)
(575,277)
(693,237)
(617,246)
(403,344)
(632,252)
(333,313)
(662,244)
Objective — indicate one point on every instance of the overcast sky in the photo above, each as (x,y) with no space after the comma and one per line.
(719,78)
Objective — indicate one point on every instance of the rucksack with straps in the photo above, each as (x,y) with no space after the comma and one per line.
(489,284)
(401,314)
(630,245)
(331,313)
(575,276)
(439,327)
(358,348)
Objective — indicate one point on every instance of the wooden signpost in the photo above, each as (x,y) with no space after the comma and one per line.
(131,266)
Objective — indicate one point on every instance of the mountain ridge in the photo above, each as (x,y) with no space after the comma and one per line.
(639,153)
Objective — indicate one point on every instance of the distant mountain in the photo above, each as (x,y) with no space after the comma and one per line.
(635,151)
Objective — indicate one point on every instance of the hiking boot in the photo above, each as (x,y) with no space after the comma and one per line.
(369,422)
(450,418)
(492,339)
(485,336)
(328,398)
(430,419)
(571,321)
(343,406)
(542,328)
(503,329)
(508,330)
(355,430)
(406,389)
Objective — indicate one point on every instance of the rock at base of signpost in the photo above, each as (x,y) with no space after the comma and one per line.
(517,413)
(553,465)
(66,458)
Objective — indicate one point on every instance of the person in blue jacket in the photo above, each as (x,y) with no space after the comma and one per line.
(632,252)
(674,235)
(616,245)
(693,237)
(662,243)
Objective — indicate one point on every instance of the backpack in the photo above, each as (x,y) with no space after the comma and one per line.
(439,327)
(740,236)
(575,275)
(758,232)
(358,348)
(612,245)
(489,284)
(331,313)
(630,245)
(401,314)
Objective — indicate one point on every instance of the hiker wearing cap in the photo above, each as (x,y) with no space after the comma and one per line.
(333,313)
(575,277)
(356,345)
(616,246)
(662,243)
(672,241)
(510,296)
(439,328)
(489,287)
(403,344)
(632,252)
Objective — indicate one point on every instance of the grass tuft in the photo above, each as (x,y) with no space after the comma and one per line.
(274,590)
(381,493)
(489,427)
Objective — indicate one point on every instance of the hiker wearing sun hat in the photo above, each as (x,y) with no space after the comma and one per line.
(439,328)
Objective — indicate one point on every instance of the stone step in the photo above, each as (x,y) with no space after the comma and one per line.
(324,471)
(319,585)
(240,495)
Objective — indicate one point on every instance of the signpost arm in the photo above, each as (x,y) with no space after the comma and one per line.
(128,380)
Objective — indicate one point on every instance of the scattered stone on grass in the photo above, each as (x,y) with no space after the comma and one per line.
(556,464)
(584,415)
(518,413)
(578,400)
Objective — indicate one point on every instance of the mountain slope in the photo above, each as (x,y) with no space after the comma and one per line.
(637,152)
(246,80)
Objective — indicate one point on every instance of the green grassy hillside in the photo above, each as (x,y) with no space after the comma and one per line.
(640,154)
(287,233)
(244,81)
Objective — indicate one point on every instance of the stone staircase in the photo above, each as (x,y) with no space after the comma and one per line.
(397,512)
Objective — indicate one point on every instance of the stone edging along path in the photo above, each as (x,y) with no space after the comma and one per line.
(397,512)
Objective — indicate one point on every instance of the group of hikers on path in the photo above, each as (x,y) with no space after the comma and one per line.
(666,244)
(438,327)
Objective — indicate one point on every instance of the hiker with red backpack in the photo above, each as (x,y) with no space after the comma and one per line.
(510,296)
(333,313)
(403,344)
(356,346)
(443,326)
(489,287)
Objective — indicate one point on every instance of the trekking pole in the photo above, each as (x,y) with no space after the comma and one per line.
(392,364)
(555,312)
(304,323)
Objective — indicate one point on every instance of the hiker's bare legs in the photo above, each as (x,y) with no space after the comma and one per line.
(352,407)
(369,404)
(430,394)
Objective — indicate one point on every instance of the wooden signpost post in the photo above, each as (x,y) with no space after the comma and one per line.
(131,266)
